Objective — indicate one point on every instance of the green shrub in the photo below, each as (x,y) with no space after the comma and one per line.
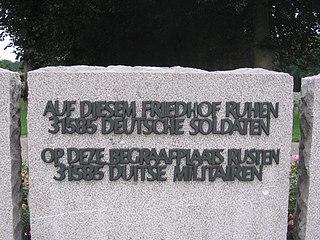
(25,207)
(293,186)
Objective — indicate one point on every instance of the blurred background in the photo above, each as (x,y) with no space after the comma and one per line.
(282,35)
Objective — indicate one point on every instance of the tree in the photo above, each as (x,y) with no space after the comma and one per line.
(12,66)
(209,34)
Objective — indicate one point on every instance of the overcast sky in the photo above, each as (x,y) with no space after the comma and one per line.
(8,53)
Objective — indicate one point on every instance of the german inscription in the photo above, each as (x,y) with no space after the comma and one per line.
(144,164)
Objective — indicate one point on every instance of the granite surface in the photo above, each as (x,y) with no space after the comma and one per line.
(10,164)
(308,205)
(158,210)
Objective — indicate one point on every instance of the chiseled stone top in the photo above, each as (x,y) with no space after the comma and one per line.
(142,69)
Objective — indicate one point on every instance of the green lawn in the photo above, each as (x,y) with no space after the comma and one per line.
(23,118)
(296,121)
(296,126)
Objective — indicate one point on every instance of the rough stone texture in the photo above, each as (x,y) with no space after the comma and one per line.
(308,204)
(158,210)
(10,155)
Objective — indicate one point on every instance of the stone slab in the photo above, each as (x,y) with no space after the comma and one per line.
(308,200)
(10,164)
(158,210)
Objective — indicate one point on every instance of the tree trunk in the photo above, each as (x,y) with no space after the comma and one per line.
(262,52)
(24,88)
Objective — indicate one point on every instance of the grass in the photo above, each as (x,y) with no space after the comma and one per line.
(296,126)
(23,115)
(296,121)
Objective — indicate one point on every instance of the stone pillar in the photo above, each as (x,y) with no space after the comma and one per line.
(11,226)
(308,197)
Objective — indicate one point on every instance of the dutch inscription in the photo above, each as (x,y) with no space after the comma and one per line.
(143,164)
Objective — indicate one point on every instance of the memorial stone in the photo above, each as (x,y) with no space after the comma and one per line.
(10,164)
(159,153)
(308,205)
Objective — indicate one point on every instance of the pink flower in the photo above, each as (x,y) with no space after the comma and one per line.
(295,157)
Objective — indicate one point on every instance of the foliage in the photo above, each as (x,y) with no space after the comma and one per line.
(12,66)
(209,34)
(293,186)
(25,207)
(292,199)
(307,64)
(23,117)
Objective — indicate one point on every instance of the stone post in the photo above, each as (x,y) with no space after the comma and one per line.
(11,226)
(308,197)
